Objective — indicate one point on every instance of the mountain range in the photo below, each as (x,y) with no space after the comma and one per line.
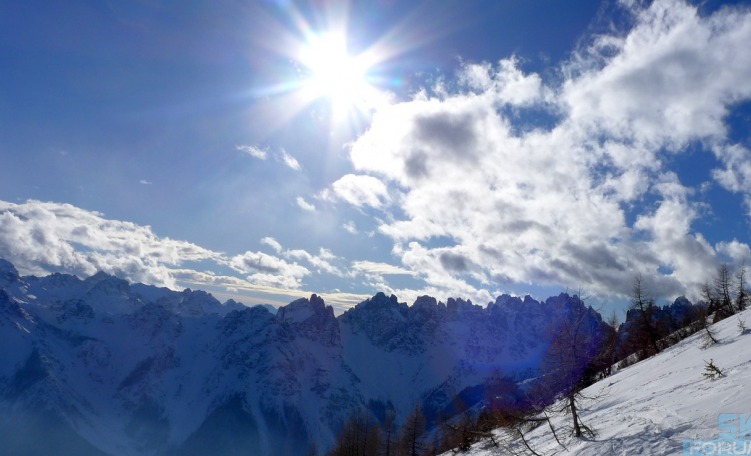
(101,366)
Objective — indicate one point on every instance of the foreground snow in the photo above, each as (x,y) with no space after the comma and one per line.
(654,406)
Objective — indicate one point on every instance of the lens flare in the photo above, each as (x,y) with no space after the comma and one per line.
(337,76)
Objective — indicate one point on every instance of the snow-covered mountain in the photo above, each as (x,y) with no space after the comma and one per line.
(100,366)
(663,405)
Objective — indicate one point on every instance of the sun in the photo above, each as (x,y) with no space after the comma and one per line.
(332,73)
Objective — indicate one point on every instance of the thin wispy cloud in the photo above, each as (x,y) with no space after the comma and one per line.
(289,161)
(253,151)
(350,227)
(304,205)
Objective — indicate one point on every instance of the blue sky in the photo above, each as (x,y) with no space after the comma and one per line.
(473,148)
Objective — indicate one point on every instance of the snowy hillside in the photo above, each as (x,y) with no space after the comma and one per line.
(654,406)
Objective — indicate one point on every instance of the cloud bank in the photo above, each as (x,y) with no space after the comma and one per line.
(44,237)
(513,199)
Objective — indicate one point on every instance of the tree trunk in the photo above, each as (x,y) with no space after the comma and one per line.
(574,415)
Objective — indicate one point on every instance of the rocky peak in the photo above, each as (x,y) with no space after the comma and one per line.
(311,318)
(427,307)
(506,300)
(103,282)
(197,303)
(459,305)
(8,273)
(302,309)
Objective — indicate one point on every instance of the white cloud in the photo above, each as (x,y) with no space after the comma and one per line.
(506,84)
(40,237)
(372,267)
(361,190)
(253,151)
(304,205)
(44,237)
(735,176)
(289,161)
(670,79)
(322,262)
(350,227)
(145,182)
(738,252)
(273,243)
(549,206)
(269,270)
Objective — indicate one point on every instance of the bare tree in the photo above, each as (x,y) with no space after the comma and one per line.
(609,352)
(710,336)
(646,331)
(741,294)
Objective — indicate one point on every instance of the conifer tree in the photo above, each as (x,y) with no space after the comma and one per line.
(569,362)
(412,433)
(646,333)
(711,371)
(741,294)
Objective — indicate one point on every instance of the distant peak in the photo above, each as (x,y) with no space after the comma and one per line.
(8,273)
(302,309)
(98,277)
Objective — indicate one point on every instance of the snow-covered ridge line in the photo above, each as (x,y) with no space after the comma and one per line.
(119,368)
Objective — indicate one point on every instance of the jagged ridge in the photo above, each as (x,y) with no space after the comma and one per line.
(132,369)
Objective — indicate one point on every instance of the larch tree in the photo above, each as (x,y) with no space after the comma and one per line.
(646,331)
(413,432)
(723,290)
(741,294)
(570,360)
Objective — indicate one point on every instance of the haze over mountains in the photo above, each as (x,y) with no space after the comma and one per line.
(102,366)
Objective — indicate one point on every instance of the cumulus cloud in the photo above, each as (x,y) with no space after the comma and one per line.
(361,190)
(735,175)
(44,237)
(737,252)
(40,237)
(505,84)
(564,204)
(269,270)
(253,151)
(671,79)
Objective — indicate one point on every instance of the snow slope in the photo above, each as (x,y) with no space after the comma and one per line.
(654,406)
